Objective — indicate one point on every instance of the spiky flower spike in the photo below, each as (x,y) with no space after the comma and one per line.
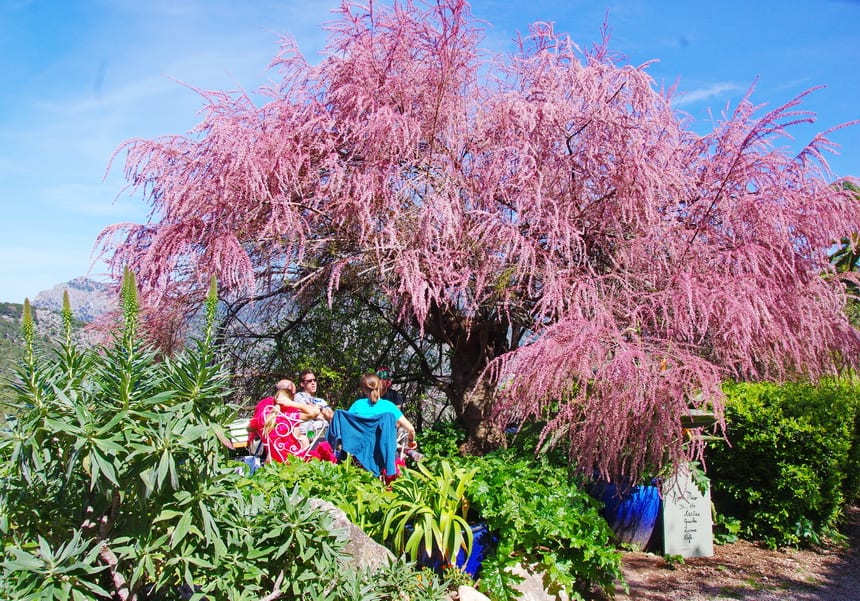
(68,318)
(28,330)
(211,306)
(130,306)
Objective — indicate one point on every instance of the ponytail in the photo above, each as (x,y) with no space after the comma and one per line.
(272,414)
(370,385)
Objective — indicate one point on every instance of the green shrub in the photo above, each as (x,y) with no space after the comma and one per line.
(429,512)
(442,440)
(851,486)
(398,580)
(541,516)
(784,474)
(545,520)
(352,489)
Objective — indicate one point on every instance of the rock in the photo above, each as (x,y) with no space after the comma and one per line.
(532,588)
(87,298)
(364,551)
(467,593)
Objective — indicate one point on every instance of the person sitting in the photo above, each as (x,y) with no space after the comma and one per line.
(308,396)
(373,404)
(368,431)
(386,391)
(276,424)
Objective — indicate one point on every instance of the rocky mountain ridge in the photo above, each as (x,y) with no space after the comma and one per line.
(88,298)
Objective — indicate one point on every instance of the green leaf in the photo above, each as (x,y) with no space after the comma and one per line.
(167,514)
(200,562)
(23,562)
(103,465)
(164,466)
(182,528)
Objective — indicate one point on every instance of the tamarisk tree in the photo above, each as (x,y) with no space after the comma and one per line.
(591,262)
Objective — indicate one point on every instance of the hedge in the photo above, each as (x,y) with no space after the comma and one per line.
(792,459)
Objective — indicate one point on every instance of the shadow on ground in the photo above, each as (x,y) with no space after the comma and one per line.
(744,570)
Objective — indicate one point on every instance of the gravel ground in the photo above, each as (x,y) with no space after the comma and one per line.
(745,570)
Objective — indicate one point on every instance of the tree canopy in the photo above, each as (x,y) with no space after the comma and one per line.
(591,261)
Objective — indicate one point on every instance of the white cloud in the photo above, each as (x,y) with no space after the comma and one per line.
(706,93)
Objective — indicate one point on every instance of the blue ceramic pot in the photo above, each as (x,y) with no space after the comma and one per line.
(483,541)
(633,515)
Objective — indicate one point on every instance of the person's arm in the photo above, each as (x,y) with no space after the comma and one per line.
(404,423)
(307,412)
(326,412)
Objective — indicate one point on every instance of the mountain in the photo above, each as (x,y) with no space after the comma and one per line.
(88,298)
(48,328)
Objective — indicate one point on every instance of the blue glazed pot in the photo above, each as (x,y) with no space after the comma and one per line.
(483,542)
(633,515)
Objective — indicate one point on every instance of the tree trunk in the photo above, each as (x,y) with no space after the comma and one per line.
(473,345)
(483,434)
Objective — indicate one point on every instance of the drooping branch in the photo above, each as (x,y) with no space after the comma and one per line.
(552,197)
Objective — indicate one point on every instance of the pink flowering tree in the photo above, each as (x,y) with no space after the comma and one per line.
(589,261)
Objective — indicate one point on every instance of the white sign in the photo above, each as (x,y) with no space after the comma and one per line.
(687,526)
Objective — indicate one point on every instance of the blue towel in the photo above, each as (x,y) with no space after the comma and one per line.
(372,440)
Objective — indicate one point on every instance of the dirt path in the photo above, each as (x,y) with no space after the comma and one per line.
(744,570)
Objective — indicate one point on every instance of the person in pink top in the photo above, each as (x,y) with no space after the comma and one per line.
(275,423)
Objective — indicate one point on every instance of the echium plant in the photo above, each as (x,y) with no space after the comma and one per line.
(28,331)
(130,306)
(68,319)
(114,486)
(72,361)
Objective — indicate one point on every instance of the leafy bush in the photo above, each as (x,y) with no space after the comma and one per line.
(442,440)
(420,501)
(542,517)
(352,489)
(269,542)
(398,580)
(544,520)
(851,486)
(785,474)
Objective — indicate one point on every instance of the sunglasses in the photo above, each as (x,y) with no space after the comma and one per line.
(309,381)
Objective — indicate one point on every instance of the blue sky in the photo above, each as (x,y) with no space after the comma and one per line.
(79,77)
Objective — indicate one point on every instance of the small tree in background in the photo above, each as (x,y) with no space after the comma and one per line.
(586,259)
